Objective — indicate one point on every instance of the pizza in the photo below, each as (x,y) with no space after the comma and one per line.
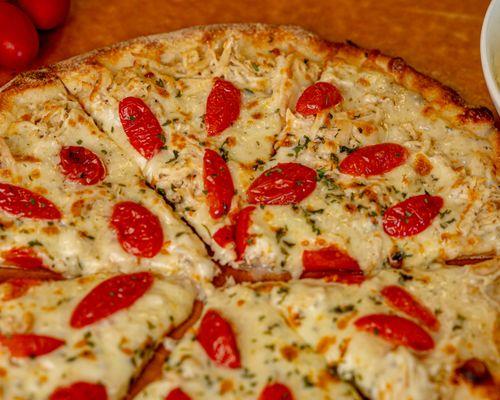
(242,212)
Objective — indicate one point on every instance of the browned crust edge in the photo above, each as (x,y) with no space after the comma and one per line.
(447,102)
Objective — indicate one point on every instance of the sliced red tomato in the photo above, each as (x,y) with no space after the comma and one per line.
(80,391)
(111,296)
(283,184)
(331,263)
(276,391)
(139,231)
(400,299)
(397,330)
(217,338)
(224,235)
(241,235)
(223,107)
(29,345)
(141,127)
(412,215)
(81,165)
(177,394)
(218,184)
(318,97)
(46,14)
(18,37)
(19,287)
(24,203)
(374,160)
(22,257)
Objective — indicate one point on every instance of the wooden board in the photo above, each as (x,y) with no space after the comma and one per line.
(439,38)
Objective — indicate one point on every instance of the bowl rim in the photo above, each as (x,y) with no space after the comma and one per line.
(491,83)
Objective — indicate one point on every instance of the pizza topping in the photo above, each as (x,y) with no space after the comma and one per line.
(139,231)
(18,287)
(109,297)
(218,184)
(177,394)
(318,97)
(217,338)
(29,345)
(224,235)
(285,183)
(80,391)
(81,165)
(22,257)
(276,391)
(405,302)
(242,236)
(25,203)
(331,263)
(374,160)
(223,107)
(412,215)
(397,330)
(141,127)
(475,371)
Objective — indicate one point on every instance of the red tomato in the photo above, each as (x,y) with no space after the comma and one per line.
(318,97)
(217,338)
(374,160)
(218,184)
(18,37)
(285,183)
(412,215)
(224,235)
(80,391)
(81,165)
(223,107)
(28,345)
(22,202)
(141,127)
(397,330)
(22,257)
(402,300)
(19,287)
(139,231)
(331,263)
(241,235)
(276,391)
(46,14)
(109,297)
(177,394)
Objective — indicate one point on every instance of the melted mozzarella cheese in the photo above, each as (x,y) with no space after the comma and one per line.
(38,125)
(323,314)
(270,352)
(176,89)
(347,211)
(109,351)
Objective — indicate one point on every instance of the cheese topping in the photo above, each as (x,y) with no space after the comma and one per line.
(40,123)
(324,315)
(270,352)
(109,352)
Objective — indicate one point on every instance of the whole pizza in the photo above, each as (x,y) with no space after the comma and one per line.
(246,212)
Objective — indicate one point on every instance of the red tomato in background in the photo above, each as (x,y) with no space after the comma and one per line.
(46,14)
(18,37)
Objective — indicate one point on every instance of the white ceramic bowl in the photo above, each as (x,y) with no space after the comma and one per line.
(490,51)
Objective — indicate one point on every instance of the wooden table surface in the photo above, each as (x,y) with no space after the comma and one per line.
(439,38)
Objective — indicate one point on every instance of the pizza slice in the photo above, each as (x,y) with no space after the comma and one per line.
(425,335)
(84,338)
(71,201)
(198,110)
(368,175)
(242,348)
